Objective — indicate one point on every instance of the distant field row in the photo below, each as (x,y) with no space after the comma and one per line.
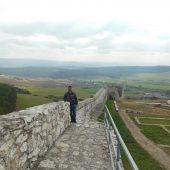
(152,76)
(153,81)
(59,91)
(142,158)
(139,84)
(156,133)
(42,95)
(149,85)
(148,110)
(164,121)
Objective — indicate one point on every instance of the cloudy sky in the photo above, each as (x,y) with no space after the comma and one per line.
(123,32)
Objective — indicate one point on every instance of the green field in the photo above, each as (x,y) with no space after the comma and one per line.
(139,84)
(59,91)
(153,132)
(152,76)
(24,101)
(154,121)
(156,133)
(141,157)
(153,81)
(147,80)
(150,85)
(42,95)
(133,93)
(154,115)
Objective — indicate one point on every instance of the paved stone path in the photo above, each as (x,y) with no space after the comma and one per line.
(83,146)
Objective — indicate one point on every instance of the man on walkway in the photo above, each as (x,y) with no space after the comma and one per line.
(71,97)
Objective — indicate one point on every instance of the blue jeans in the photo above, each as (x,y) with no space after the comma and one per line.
(73,112)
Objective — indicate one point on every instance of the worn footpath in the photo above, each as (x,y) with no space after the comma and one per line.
(83,146)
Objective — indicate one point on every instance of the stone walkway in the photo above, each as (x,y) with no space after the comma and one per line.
(83,146)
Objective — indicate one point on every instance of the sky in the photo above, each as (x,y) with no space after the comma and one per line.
(122,32)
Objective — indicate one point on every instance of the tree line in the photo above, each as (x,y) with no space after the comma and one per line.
(8,98)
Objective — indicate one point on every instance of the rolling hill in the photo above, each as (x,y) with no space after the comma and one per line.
(82,73)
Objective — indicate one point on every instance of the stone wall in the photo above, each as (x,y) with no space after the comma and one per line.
(28,134)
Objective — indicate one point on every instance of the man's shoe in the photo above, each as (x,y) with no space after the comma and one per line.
(75,121)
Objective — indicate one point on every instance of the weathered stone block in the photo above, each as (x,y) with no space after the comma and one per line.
(13,152)
(34,153)
(21,138)
(24,147)
(36,130)
(22,160)
(2,167)
(47,164)
(17,132)
(5,147)
(2,164)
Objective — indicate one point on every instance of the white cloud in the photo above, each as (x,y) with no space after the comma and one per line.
(96,30)
(102,35)
(83,40)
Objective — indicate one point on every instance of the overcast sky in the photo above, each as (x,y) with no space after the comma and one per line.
(124,32)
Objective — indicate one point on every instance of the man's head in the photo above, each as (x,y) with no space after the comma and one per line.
(70,88)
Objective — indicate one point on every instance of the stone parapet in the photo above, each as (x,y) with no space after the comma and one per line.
(25,135)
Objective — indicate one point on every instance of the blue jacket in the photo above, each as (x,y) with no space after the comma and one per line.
(71,97)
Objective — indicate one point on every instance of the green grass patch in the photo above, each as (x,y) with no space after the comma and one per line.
(42,95)
(59,91)
(155,116)
(89,90)
(141,157)
(25,101)
(133,94)
(154,121)
(156,133)
(152,76)
(142,84)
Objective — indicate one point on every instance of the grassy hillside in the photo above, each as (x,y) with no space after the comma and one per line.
(83,73)
(42,95)
(141,157)
(153,122)
(24,101)
(165,76)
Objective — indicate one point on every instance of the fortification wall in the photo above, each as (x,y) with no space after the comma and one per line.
(28,134)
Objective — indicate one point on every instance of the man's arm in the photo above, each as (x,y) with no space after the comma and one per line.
(65,97)
(76,100)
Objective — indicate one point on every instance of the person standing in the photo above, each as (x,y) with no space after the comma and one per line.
(71,97)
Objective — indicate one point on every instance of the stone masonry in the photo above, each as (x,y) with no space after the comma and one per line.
(83,146)
(27,136)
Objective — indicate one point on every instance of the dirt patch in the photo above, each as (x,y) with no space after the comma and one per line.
(156,152)
(135,106)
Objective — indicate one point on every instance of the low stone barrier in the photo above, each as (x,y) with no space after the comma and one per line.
(28,134)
